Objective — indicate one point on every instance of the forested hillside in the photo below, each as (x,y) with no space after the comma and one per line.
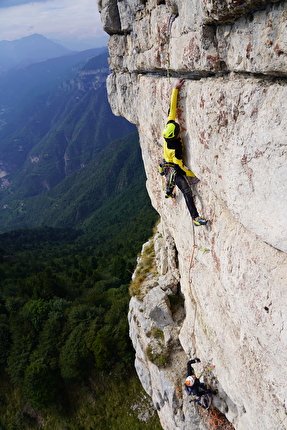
(64,334)
(64,301)
(106,200)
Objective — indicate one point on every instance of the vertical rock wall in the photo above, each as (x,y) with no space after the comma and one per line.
(232,274)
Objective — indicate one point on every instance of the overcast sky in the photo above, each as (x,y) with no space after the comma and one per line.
(61,20)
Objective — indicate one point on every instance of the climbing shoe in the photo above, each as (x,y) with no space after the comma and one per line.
(170,195)
(200,221)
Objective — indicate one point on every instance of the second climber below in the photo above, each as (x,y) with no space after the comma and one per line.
(173,159)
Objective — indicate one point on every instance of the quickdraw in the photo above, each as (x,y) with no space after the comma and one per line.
(206,369)
(170,181)
(204,250)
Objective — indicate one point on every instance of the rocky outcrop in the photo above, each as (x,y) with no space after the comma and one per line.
(231,274)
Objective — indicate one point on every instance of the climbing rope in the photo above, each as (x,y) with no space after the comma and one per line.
(215,419)
(282,422)
(170,22)
(191,263)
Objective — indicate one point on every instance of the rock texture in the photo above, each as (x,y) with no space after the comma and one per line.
(232,274)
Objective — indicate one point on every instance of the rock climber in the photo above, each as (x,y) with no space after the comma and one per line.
(173,167)
(194,387)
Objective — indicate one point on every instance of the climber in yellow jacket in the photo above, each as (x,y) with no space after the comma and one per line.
(173,158)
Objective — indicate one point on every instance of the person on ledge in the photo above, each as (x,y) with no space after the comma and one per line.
(173,168)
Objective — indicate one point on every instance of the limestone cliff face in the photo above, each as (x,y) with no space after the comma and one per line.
(232,274)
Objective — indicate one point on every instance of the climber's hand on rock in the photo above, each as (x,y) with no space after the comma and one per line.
(179,83)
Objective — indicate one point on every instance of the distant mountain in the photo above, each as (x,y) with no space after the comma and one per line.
(29,49)
(83,45)
(19,87)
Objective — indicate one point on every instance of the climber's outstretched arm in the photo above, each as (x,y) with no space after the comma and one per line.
(173,100)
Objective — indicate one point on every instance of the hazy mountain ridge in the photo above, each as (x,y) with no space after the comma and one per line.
(29,49)
(59,132)
(19,87)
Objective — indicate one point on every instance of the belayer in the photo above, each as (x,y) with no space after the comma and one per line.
(173,168)
(196,388)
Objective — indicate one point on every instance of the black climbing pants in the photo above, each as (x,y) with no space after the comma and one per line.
(182,184)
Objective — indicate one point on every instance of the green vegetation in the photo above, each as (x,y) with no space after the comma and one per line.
(156,333)
(105,198)
(99,402)
(156,351)
(64,329)
(158,357)
(146,266)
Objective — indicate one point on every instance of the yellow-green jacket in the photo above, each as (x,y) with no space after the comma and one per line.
(173,147)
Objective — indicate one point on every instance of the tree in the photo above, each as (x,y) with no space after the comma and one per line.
(24,340)
(37,311)
(102,348)
(75,358)
(4,343)
(40,385)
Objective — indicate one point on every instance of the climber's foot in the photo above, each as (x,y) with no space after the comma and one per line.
(200,221)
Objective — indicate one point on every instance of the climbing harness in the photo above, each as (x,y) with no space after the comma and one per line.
(170,181)
(170,22)
(169,171)
(204,399)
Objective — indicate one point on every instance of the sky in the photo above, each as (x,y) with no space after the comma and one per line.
(60,20)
